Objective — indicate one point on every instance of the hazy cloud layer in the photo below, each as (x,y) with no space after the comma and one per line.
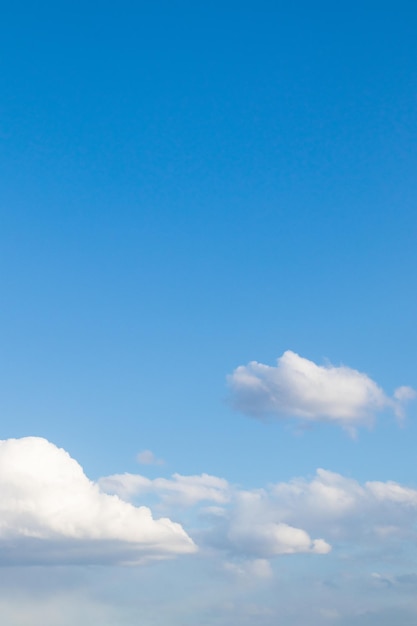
(50,512)
(297,387)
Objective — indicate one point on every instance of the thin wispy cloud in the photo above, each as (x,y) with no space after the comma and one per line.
(297,387)
(177,491)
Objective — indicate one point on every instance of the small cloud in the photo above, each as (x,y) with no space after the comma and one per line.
(147,457)
(272,539)
(402,396)
(297,387)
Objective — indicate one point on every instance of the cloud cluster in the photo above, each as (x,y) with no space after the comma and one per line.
(51,512)
(298,516)
(240,525)
(297,387)
(344,510)
(326,512)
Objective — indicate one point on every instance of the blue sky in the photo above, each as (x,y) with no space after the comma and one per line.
(187,189)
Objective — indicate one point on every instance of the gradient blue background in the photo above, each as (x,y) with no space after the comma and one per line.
(188,187)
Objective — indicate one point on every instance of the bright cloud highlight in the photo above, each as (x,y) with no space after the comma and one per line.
(50,512)
(297,387)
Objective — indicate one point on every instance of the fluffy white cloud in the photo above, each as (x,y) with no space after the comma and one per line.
(51,512)
(178,490)
(254,526)
(300,388)
(283,518)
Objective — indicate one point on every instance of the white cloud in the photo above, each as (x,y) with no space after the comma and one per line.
(126,485)
(272,539)
(345,510)
(310,516)
(327,495)
(178,490)
(392,492)
(255,528)
(51,512)
(147,457)
(297,387)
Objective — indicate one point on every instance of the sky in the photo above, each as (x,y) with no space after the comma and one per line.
(208,313)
